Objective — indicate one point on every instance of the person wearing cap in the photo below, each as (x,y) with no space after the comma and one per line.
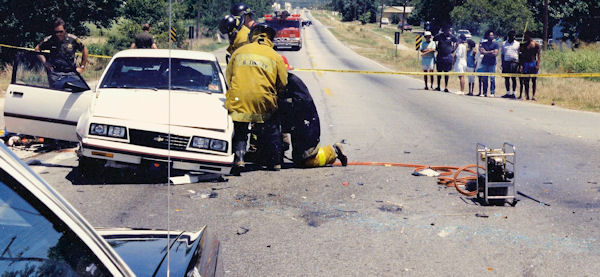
(256,74)
(446,45)
(460,61)
(235,30)
(243,11)
(299,117)
(428,57)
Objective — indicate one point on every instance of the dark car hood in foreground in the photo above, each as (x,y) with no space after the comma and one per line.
(145,251)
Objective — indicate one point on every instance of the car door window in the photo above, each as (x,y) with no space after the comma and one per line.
(31,70)
(35,242)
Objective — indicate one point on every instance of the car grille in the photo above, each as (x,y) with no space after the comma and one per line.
(157,140)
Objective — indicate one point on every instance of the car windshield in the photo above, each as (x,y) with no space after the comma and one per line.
(153,73)
(35,242)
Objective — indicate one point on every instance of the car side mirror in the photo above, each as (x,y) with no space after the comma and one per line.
(75,87)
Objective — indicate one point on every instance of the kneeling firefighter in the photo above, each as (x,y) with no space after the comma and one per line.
(256,74)
(299,117)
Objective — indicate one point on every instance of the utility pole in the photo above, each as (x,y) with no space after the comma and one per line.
(381,15)
(197,31)
(545,24)
(403,17)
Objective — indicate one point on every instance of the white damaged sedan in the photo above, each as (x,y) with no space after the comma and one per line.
(150,106)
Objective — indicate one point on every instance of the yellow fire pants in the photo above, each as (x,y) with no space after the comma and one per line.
(325,156)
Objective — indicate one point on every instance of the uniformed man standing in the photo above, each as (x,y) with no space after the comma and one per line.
(62,47)
(144,39)
(256,74)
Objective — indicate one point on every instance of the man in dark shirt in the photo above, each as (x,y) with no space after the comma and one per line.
(489,49)
(446,44)
(144,39)
(62,47)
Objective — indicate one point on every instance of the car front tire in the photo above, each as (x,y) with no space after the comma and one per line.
(90,168)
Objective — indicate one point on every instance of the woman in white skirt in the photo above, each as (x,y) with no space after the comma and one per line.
(460,63)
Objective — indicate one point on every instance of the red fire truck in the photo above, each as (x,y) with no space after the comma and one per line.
(288,29)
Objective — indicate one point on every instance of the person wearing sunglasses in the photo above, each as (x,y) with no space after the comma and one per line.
(62,47)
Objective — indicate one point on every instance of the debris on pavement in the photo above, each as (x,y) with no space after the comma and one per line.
(203,195)
(482,215)
(242,231)
(361,183)
(345,184)
(391,208)
(426,172)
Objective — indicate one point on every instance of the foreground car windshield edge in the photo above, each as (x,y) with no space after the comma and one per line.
(44,235)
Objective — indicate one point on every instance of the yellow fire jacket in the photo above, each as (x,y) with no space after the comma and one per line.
(255,74)
(241,38)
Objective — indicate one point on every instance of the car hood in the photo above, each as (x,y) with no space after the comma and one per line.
(188,109)
(145,251)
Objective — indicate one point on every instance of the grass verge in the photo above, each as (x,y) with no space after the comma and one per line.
(574,93)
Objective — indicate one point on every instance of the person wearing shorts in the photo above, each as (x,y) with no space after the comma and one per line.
(446,45)
(530,63)
(471,64)
(428,57)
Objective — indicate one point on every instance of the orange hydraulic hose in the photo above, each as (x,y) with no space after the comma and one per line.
(448,176)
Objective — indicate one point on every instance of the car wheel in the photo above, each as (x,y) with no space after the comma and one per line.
(90,168)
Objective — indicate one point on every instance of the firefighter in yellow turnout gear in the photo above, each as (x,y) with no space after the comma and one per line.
(256,74)
(234,28)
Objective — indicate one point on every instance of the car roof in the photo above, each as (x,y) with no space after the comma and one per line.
(165,53)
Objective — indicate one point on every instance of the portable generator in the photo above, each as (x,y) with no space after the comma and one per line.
(496,174)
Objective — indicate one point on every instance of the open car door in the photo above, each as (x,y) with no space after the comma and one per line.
(43,103)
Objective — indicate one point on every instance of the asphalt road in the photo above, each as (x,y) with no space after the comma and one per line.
(300,222)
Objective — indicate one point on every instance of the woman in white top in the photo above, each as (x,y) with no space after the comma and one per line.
(460,61)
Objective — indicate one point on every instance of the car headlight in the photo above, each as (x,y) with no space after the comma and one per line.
(209,144)
(108,130)
(116,131)
(218,145)
(202,143)
(98,129)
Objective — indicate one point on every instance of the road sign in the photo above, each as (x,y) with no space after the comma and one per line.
(397,38)
(418,42)
(173,34)
(191,32)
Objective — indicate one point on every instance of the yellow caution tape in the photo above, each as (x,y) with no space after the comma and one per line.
(539,75)
(46,51)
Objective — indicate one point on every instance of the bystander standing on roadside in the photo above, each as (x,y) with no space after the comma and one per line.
(460,61)
(428,57)
(62,47)
(144,39)
(471,63)
(489,49)
(445,43)
(532,53)
(478,58)
(510,63)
